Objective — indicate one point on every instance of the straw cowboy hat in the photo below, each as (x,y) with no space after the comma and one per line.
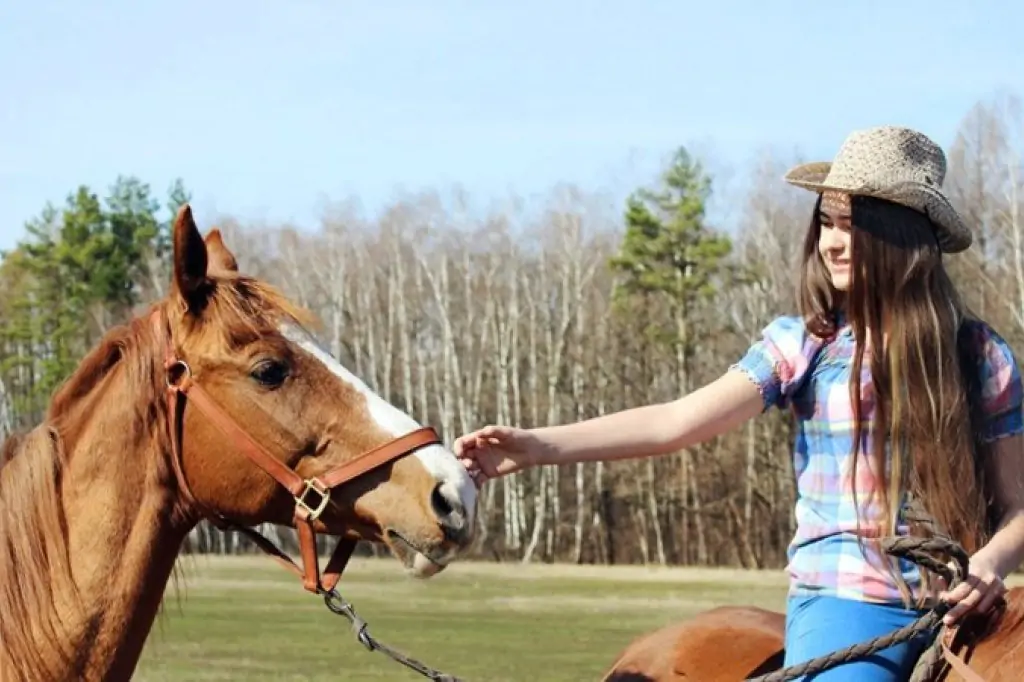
(897,164)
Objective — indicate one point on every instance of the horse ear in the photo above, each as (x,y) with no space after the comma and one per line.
(222,261)
(190,260)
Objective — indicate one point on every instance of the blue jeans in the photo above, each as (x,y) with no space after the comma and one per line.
(819,625)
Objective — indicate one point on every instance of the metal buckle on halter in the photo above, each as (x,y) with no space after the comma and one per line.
(317,487)
(178,372)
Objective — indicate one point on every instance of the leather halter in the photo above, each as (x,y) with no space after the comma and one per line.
(311,495)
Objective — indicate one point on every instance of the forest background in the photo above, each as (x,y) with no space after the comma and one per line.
(533,313)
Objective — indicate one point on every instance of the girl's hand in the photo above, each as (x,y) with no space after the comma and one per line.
(496,451)
(979,592)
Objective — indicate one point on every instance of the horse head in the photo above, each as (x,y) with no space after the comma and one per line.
(331,455)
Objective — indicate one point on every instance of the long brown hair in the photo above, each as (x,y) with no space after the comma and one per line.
(908,318)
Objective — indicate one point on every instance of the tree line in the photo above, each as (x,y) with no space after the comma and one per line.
(572,310)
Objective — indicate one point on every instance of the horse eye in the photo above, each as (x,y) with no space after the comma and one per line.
(271,373)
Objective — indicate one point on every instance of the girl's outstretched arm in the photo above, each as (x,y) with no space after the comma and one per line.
(720,406)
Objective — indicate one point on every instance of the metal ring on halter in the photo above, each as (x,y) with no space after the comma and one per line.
(186,373)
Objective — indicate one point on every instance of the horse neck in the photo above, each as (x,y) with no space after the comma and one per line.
(123,542)
(123,531)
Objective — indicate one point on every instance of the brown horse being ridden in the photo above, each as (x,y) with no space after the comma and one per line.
(736,643)
(216,404)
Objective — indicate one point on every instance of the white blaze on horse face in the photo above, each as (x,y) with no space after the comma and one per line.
(438,460)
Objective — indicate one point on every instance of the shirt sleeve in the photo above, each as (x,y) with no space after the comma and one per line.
(1001,390)
(778,362)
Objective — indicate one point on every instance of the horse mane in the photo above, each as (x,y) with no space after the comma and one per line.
(34,552)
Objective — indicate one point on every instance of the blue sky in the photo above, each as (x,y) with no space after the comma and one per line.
(268,109)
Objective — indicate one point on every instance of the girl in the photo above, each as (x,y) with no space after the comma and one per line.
(895,389)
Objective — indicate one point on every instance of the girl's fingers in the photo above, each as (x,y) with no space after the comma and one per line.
(463,443)
(988,600)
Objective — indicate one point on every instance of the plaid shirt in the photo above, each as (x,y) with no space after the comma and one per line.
(793,369)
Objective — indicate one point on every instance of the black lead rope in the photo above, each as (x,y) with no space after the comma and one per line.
(339,605)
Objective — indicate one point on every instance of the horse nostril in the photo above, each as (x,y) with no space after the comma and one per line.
(449,511)
(442,507)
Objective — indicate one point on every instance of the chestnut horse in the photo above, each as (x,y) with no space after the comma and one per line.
(216,404)
(735,643)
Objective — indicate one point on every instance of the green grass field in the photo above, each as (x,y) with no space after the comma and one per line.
(248,619)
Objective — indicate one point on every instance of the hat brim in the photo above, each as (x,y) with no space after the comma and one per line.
(952,233)
(810,175)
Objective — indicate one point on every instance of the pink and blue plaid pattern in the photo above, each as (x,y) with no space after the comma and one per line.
(795,370)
